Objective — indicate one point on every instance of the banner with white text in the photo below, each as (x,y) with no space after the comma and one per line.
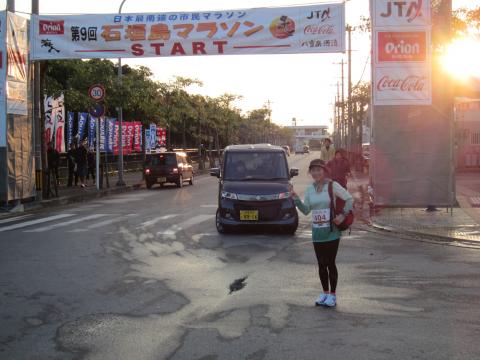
(316,28)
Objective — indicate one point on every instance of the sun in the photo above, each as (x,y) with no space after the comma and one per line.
(462,59)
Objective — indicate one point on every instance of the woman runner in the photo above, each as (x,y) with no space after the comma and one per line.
(325,235)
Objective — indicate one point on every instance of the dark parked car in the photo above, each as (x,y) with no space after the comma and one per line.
(254,189)
(168,167)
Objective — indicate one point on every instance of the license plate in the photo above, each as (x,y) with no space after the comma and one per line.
(249,215)
(162,179)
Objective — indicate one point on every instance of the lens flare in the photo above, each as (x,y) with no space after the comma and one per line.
(462,59)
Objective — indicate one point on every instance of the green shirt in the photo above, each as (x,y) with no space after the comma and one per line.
(319,202)
(327,154)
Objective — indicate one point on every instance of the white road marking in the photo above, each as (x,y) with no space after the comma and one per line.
(103,223)
(209,206)
(34,222)
(66,223)
(4,221)
(197,237)
(185,225)
(155,220)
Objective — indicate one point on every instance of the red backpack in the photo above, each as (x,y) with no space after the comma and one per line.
(336,207)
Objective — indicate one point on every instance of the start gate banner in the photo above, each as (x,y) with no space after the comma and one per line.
(318,28)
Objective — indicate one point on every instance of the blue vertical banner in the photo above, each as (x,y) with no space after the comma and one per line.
(153,136)
(110,134)
(70,121)
(103,134)
(91,131)
(147,139)
(82,121)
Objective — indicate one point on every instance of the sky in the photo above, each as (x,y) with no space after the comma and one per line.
(301,86)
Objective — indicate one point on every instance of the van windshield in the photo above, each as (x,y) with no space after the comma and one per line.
(161,159)
(243,166)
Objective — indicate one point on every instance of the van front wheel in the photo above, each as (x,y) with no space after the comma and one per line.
(222,229)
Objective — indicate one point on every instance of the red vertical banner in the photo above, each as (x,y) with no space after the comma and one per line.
(162,136)
(115,139)
(137,141)
(130,134)
(124,137)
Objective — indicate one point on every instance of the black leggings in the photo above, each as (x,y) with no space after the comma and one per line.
(327,270)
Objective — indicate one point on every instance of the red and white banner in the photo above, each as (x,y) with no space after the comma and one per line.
(137,142)
(49,120)
(130,129)
(401,48)
(316,28)
(115,138)
(17,65)
(58,118)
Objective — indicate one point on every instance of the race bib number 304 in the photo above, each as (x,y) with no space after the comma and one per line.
(321,218)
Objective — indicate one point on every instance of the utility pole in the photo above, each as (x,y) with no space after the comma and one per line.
(120,181)
(350,120)
(37,119)
(339,119)
(343,125)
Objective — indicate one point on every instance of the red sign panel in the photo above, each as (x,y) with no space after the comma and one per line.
(47,27)
(402,46)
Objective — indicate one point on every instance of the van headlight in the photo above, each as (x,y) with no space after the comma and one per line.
(284,195)
(229,195)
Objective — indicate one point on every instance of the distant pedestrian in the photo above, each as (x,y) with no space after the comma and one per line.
(325,234)
(53,161)
(72,165)
(91,163)
(327,151)
(82,163)
(339,168)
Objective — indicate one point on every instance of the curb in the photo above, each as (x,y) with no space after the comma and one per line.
(78,198)
(65,200)
(438,239)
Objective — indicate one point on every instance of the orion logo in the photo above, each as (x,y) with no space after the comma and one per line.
(51,27)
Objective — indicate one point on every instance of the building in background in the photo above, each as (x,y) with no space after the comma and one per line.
(309,135)
(467,133)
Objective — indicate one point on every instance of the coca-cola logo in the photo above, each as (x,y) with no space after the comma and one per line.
(412,83)
(48,27)
(319,29)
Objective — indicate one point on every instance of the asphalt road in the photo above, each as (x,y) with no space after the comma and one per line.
(144,275)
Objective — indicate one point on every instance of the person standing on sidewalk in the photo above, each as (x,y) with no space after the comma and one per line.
(327,151)
(53,160)
(82,163)
(72,165)
(325,234)
(339,168)
(91,163)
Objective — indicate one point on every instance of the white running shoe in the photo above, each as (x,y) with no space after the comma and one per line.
(321,299)
(331,300)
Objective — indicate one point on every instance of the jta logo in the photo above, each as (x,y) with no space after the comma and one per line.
(51,27)
(408,9)
(319,14)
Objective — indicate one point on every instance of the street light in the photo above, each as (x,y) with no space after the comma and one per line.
(120,181)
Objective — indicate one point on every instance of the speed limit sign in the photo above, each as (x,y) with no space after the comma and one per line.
(96,92)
